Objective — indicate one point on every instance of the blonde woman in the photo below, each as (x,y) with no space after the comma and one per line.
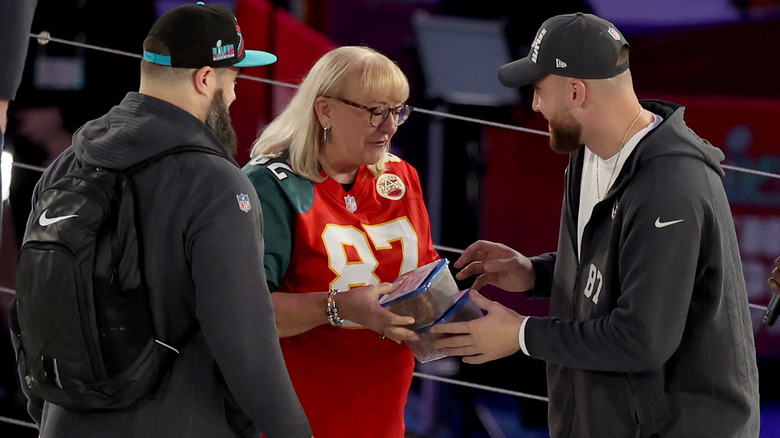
(343,217)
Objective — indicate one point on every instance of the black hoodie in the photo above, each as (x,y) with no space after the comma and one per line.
(203,259)
(650,333)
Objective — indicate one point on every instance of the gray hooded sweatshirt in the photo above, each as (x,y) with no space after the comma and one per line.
(650,332)
(203,258)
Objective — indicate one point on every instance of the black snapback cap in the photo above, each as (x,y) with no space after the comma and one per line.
(577,45)
(198,35)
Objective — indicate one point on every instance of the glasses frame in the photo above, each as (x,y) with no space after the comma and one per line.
(396,111)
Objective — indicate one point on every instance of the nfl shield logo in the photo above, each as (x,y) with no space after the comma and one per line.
(243,202)
(350,203)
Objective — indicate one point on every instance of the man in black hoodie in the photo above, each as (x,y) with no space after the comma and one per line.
(649,333)
(201,230)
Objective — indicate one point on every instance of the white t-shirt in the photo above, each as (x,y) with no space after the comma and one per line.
(589,193)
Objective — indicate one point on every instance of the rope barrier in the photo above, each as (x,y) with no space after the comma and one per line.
(27,166)
(478,386)
(757,307)
(448,249)
(18,423)
(479,121)
(267,81)
(416,374)
(45,38)
(752,306)
(754,172)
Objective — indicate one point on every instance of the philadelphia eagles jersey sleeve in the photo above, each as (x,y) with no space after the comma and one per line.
(282,194)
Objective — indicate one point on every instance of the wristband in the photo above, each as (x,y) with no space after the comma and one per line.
(332,312)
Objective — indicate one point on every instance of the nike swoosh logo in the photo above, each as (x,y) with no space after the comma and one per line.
(46,221)
(659,224)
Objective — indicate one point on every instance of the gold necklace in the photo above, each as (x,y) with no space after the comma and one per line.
(622,143)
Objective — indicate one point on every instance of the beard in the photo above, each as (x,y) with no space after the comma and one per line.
(218,119)
(565,133)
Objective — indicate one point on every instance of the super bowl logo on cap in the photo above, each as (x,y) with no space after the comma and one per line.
(243,202)
(223,52)
(390,186)
(240,41)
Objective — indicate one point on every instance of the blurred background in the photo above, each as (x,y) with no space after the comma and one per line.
(481,152)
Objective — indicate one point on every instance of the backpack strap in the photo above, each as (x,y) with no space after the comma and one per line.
(135,168)
(194,327)
(186,337)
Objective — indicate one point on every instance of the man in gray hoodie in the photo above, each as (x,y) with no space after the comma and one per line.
(649,333)
(201,229)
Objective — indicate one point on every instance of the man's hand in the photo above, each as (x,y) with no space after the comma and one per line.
(496,264)
(483,339)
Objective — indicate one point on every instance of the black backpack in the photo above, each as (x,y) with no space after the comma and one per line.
(81,316)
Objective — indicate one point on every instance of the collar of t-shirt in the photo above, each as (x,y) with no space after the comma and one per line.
(589,193)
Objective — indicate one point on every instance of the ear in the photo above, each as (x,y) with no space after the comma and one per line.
(323,106)
(578,92)
(205,81)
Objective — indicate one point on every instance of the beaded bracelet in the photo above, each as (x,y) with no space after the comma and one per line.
(332,311)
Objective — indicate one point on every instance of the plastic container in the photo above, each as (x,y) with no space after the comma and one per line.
(424,293)
(463,310)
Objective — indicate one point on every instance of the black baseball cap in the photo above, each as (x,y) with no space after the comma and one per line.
(198,35)
(579,45)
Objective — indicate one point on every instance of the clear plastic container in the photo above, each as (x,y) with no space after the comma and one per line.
(424,293)
(463,310)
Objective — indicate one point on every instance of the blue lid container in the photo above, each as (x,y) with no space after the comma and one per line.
(424,293)
(463,310)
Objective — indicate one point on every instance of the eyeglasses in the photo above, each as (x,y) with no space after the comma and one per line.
(380,113)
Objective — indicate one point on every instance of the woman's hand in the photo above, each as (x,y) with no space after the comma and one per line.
(361,305)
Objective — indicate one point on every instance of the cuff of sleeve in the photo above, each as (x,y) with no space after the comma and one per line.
(521,337)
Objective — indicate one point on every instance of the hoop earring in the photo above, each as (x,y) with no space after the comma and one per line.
(326,134)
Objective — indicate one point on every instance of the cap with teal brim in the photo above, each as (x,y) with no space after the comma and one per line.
(255,58)
(197,35)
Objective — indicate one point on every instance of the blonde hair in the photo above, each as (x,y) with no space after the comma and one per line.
(297,128)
